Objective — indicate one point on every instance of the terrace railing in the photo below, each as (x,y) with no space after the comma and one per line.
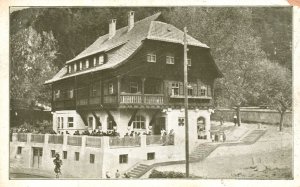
(22,137)
(74,140)
(131,98)
(153,99)
(93,141)
(124,142)
(160,140)
(56,139)
(38,138)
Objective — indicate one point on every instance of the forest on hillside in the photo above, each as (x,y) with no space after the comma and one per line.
(251,45)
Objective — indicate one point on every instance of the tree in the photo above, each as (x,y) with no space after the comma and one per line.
(32,57)
(276,90)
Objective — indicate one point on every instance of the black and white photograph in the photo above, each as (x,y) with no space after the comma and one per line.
(134,93)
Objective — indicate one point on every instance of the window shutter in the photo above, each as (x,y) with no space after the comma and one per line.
(169,87)
(194,85)
(181,88)
(209,91)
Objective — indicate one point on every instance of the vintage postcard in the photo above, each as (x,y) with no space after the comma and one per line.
(151,93)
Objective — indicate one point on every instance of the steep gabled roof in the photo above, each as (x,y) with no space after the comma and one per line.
(125,43)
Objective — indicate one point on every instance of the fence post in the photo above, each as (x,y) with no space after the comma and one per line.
(143,140)
(14,137)
(65,140)
(28,137)
(104,142)
(46,140)
(83,142)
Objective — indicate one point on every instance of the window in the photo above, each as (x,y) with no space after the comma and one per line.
(70,121)
(101,59)
(95,61)
(77,156)
(19,151)
(70,69)
(56,94)
(139,122)
(151,57)
(189,62)
(62,122)
(175,89)
(87,64)
(58,122)
(203,91)
(90,122)
(95,91)
(180,121)
(151,156)
(92,158)
(133,87)
(170,60)
(52,153)
(190,90)
(70,93)
(110,88)
(75,67)
(80,65)
(123,159)
(110,123)
(65,154)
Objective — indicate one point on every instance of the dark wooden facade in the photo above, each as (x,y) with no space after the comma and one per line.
(137,83)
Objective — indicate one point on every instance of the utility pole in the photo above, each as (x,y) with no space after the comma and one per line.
(185,49)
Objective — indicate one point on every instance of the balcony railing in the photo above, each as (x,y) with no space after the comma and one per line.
(138,99)
(110,99)
(38,138)
(131,98)
(93,142)
(75,140)
(82,102)
(22,137)
(160,140)
(56,139)
(124,142)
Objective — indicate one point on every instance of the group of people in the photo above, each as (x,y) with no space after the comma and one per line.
(167,139)
(117,175)
(97,133)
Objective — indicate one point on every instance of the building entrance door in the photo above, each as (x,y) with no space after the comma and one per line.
(37,157)
(201,128)
(160,123)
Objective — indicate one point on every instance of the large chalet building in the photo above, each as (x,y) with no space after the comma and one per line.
(131,79)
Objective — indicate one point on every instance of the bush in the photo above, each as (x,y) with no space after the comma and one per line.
(166,174)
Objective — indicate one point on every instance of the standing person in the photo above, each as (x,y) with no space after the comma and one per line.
(221,120)
(57,162)
(117,174)
(107,175)
(235,119)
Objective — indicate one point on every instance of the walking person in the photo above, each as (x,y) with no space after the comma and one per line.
(57,162)
(235,119)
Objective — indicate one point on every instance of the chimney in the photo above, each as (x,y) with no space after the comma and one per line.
(112,29)
(130,20)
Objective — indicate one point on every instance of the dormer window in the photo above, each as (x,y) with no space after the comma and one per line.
(170,60)
(110,88)
(190,90)
(189,62)
(101,59)
(70,68)
(80,65)
(95,61)
(87,64)
(151,57)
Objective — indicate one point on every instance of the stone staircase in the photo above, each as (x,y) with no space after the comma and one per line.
(201,152)
(139,170)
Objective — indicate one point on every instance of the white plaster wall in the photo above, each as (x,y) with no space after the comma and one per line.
(78,122)
(172,116)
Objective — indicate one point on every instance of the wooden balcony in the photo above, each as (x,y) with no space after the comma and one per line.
(150,99)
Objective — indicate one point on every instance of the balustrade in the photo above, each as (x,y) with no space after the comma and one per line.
(38,138)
